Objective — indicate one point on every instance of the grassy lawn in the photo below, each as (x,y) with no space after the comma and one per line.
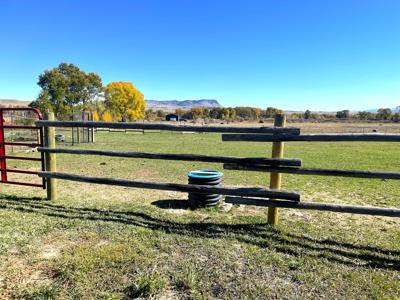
(102,242)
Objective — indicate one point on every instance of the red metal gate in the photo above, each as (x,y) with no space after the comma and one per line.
(4,157)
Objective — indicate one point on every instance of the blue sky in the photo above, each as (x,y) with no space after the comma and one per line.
(295,55)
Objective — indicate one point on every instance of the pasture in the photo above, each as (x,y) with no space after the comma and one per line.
(104,242)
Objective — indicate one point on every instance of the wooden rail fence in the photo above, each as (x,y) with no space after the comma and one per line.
(273,197)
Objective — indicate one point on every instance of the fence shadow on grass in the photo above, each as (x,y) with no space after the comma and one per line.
(259,234)
(171,204)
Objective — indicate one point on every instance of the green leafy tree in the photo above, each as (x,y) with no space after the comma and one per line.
(396,117)
(216,113)
(160,114)
(229,113)
(365,115)
(93,89)
(271,112)
(343,114)
(307,114)
(65,87)
(43,102)
(384,114)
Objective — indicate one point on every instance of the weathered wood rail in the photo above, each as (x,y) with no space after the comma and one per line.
(315,171)
(352,209)
(217,129)
(241,191)
(277,165)
(312,138)
(182,157)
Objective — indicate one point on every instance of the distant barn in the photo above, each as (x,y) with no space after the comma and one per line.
(172,117)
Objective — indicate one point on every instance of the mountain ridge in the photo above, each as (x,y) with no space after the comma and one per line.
(14,102)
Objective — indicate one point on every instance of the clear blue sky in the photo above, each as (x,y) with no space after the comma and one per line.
(296,55)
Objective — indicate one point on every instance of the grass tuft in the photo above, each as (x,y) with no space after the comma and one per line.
(47,292)
(146,286)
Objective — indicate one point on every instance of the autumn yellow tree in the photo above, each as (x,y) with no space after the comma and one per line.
(125,101)
(107,117)
(96,116)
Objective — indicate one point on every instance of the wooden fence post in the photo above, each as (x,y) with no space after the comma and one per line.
(275,178)
(93,130)
(50,158)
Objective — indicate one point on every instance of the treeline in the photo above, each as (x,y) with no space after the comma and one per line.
(256,114)
(240,113)
(383,114)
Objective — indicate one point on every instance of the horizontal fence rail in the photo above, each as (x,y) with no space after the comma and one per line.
(312,138)
(20,157)
(352,209)
(20,171)
(250,192)
(182,157)
(25,183)
(315,171)
(127,125)
(21,127)
(31,145)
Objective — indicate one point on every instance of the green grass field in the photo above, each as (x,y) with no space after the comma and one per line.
(102,242)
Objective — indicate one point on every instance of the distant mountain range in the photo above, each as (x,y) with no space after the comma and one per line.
(13,102)
(185,104)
